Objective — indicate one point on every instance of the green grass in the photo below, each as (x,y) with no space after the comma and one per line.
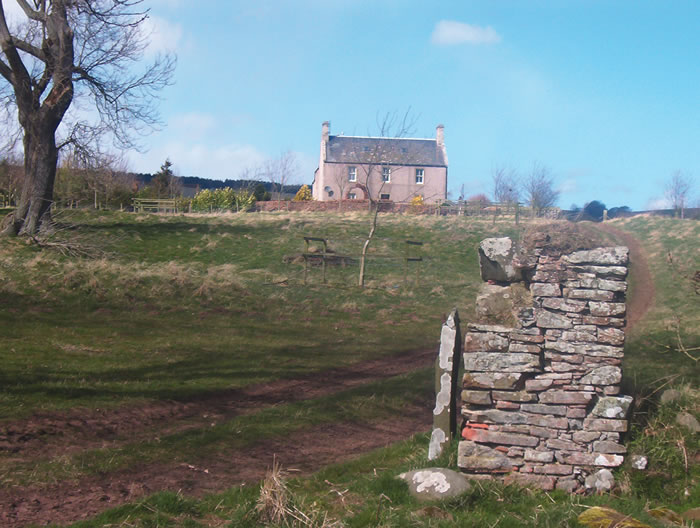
(176,307)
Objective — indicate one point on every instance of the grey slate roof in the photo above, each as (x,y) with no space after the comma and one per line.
(389,151)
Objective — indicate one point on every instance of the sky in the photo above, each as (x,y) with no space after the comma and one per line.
(603,93)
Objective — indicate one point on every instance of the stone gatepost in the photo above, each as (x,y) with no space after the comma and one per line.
(541,401)
(446,383)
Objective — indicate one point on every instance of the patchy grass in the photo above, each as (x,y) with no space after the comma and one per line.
(180,307)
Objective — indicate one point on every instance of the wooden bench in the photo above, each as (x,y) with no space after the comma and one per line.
(147,205)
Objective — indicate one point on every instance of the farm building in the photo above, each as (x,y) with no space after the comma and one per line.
(383,168)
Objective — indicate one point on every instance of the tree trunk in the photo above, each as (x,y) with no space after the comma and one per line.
(365,246)
(40,160)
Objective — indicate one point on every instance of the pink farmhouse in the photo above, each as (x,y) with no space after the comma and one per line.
(392,169)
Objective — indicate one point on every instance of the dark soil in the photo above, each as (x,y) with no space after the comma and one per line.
(306,451)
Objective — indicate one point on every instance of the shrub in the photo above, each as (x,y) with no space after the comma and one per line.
(303,194)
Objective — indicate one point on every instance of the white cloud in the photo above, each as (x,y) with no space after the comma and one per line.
(200,159)
(450,32)
(193,125)
(568,186)
(658,203)
(163,36)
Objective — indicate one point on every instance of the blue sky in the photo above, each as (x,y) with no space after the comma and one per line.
(604,93)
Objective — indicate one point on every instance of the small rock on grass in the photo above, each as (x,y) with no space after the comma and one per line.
(435,483)
(689,421)
(600,481)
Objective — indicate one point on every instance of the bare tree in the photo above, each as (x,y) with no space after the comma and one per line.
(539,190)
(505,185)
(678,191)
(374,169)
(68,49)
(281,171)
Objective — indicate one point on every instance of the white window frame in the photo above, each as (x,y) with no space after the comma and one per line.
(420,173)
(385,196)
(352,174)
(386,174)
(352,196)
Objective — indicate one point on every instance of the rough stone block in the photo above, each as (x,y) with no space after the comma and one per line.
(590,295)
(491,380)
(506,405)
(579,336)
(562,444)
(607,446)
(553,469)
(477,397)
(527,349)
(612,407)
(495,437)
(564,305)
(539,456)
(485,342)
(474,457)
(544,432)
(607,309)
(514,396)
(545,289)
(565,397)
(612,256)
(606,272)
(501,362)
(608,375)
(501,260)
(585,437)
(538,408)
(602,424)
(496,416)
(536,385)
(611,336)
(593,459)
(527,338)
(593,350)
(611,285)
(547,319)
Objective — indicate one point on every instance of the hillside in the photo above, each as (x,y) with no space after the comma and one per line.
(148,353)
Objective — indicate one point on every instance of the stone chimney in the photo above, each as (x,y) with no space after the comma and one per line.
(325,131)
(440,135)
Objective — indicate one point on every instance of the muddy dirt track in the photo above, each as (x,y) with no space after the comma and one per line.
(64,433)
(641,299)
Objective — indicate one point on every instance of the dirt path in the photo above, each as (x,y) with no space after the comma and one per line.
(642,293)
(77,430)
(306,451)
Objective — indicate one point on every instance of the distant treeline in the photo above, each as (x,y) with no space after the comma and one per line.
(205,183)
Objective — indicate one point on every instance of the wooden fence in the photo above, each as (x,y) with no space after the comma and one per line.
(143,205)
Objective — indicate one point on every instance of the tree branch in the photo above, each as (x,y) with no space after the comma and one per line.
(39,16)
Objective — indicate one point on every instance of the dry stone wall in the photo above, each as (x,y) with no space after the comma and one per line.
(540,399)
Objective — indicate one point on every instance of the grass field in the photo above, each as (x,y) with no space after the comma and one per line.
(183,308)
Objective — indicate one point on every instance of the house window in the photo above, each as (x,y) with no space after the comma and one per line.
(352,174)
(384,196)
(386,174)
(352,196)
(420,174)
